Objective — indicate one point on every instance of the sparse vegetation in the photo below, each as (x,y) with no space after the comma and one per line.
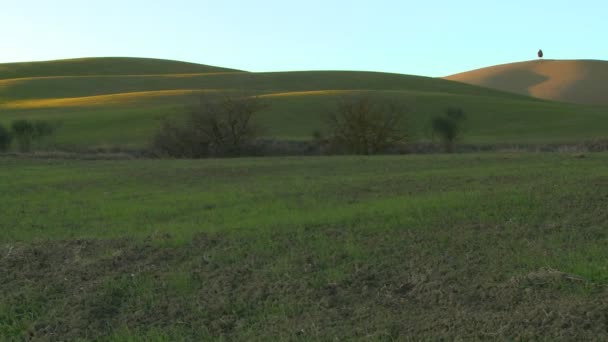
(216,127)
(595,145)
(449,128)
(364,125)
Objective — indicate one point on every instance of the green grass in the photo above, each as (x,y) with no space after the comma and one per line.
(477,246)
(508,246)
(118,102)
(102,66)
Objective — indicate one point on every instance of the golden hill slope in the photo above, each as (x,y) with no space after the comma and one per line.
(576,81)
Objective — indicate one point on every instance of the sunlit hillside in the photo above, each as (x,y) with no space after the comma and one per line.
(576,81)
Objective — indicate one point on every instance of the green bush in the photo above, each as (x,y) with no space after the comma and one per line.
(26,132)
(449,128)
(363,125)
(177,139)
(5,139)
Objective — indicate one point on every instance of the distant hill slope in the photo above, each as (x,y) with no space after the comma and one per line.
(575,81)
(103,66)
(265,82)
(117,102)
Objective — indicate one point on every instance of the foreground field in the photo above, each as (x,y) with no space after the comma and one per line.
(509,246)
(118,103)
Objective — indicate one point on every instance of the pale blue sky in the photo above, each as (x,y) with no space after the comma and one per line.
(423,37)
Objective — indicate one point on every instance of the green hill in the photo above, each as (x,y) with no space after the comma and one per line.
(103,66)
(118,102)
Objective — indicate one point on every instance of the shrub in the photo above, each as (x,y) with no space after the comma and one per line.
(5,139)
(216,127)
(26,132)
(179,141)
(365,126)
(449,128)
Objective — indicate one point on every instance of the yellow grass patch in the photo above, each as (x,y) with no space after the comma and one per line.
(98,100)
(307,93)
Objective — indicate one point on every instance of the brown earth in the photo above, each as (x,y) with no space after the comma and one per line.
(87,288)
(576,81)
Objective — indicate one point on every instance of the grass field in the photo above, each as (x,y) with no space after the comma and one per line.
(118,102)
(475,246)
(103,66)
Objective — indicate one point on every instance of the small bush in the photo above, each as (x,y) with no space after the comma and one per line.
(216,127)
(180,141)
(26,132)
(449,128)
(363,125)
(5,139)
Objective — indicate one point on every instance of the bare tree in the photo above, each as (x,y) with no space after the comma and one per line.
(227,123)
(366,126)
(215,127)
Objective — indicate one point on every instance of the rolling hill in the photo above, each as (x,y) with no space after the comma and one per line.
(575,81)
(103,66)
(109,102)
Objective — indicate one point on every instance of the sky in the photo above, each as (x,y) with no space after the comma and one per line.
(422,37)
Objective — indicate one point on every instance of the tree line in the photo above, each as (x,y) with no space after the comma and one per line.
(359,124)
(226,126)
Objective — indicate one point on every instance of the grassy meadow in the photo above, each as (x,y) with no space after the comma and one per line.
(474,246)
(119,102)
(502,246)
